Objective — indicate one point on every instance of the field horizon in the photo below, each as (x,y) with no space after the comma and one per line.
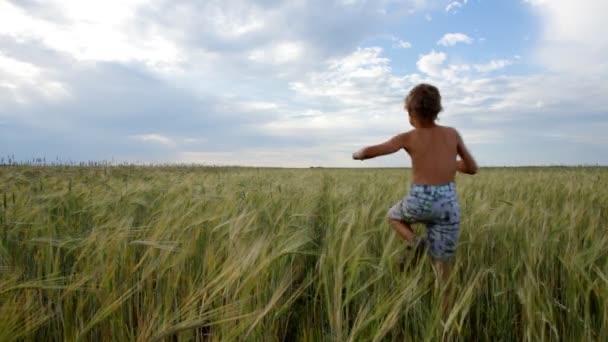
(104,163)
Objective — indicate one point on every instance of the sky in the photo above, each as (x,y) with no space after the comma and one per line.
(300,83)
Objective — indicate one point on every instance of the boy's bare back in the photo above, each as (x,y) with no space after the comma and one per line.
(434,152)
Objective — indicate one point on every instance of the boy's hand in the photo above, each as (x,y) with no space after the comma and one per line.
(358,155)
(466,164)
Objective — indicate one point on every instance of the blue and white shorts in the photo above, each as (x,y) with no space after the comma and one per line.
(437,207)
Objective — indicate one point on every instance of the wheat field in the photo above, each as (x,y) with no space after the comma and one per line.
(132,253)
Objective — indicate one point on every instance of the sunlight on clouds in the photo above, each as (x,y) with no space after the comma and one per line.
(355,79)
(97,31)
(21,70)
(287,52)
(22,79)
(573,39)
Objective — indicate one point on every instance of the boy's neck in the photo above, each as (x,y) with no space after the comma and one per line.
(426,124)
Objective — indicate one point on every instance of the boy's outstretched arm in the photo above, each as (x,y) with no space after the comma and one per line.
(391,146)
(466,164)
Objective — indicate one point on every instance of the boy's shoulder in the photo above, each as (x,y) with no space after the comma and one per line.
(450,130)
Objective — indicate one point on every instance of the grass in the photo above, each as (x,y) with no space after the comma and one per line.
(181,253)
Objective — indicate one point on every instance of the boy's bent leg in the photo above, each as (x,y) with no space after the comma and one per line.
(403,229)
(399,219)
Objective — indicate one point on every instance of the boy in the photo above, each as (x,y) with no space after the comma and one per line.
(432,199)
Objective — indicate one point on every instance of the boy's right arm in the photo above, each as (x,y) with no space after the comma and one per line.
(390,146)
(466,164)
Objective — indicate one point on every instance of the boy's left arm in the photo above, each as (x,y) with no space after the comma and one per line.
(390,146)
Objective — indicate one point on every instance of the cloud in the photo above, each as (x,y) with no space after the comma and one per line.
(451,39)
(454,5)
(280,53)
(493,65)
(292,81)
(431,63)
(347,79)
(157,138)
(258,106)
(571,35)
(138,80)
(88,31)
(401,44)
(20,81)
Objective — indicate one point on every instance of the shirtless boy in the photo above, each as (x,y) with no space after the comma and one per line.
(432,199)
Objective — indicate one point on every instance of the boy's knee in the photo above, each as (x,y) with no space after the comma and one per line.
(391,221)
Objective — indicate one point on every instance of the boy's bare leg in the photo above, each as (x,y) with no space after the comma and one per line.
(403,229)
(443,270)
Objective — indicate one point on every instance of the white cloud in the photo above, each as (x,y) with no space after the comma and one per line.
(431,63)
(401,44)
(22,79)
(258,106)
(493,65)
(451,39)
(153,137)
(279,53)
(464,89)
(454,5)
(572,38)
(97,31)
(351,79)
(21,70)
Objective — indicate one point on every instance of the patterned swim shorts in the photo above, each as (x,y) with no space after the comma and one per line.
(437,207)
